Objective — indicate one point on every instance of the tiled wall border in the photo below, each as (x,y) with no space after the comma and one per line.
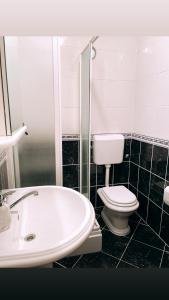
(137,136)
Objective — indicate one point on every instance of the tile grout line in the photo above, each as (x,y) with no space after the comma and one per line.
(138,172)
(153,230)
(128,243)
(118,259)
(147,170)
(164,187)
(150,200)
(152,153)
(60,265)
(129,164)
(162,257)
(77,261)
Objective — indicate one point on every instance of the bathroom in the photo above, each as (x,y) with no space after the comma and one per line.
(66,91)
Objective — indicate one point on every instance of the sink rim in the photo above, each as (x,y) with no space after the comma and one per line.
(63,248)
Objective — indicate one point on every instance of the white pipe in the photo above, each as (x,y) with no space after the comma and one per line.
(107,175)
(11,140)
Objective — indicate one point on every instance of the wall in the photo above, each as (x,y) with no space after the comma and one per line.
(113,84)
(152,90)
(149,175)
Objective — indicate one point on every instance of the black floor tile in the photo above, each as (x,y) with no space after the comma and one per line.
(145,235)
(165,261)
(112,244)
(142,255)
(134,218)
(97,260)
(123,264)
(68,262)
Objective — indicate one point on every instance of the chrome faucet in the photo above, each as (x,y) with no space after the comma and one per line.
(35,193)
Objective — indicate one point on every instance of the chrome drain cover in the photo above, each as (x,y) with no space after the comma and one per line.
(30,237)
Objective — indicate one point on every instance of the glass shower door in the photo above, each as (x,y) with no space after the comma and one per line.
(85,71)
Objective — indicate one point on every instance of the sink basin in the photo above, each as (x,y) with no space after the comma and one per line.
(45,228)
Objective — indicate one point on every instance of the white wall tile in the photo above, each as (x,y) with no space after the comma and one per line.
(108,93)
(113,65)
(70,120)
(152,89)
(109,120)
(70,91)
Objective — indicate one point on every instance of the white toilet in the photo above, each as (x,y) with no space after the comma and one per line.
(119,202)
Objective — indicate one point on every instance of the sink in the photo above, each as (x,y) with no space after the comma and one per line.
(45,228)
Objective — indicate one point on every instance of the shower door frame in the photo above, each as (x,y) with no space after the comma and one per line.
(87,194)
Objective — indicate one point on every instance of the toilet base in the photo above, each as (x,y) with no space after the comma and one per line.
(116,223)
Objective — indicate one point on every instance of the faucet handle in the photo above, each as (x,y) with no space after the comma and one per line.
(2,199)
(3,196)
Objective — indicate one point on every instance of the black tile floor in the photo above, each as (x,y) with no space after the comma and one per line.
(142,248)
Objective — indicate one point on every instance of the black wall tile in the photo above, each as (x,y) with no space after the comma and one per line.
(93,195)
(126,155)
(154,216)
(156,190)
(99,202)
(144,181)
(92,175)
(159,161)
(133,175)
(146,155)
(100,175)
(165,227)
(132,189)
(121,173)
(71,176)
(143,204)
(70,150)
(135,151)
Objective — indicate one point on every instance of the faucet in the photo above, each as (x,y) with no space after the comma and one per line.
(35,193)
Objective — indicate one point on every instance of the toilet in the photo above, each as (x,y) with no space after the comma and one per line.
(119,202)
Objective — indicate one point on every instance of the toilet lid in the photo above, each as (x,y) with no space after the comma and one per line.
(119,195)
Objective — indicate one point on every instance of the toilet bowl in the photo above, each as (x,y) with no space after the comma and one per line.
(119,203)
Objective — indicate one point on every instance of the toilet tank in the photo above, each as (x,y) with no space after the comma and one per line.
(108,149)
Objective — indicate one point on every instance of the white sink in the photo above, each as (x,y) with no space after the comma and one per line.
(59,218)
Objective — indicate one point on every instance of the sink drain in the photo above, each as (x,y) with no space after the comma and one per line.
(29,237)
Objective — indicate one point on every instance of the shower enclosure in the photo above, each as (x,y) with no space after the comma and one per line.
(32,68)
(85,109)
(29,68)
(85,116)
